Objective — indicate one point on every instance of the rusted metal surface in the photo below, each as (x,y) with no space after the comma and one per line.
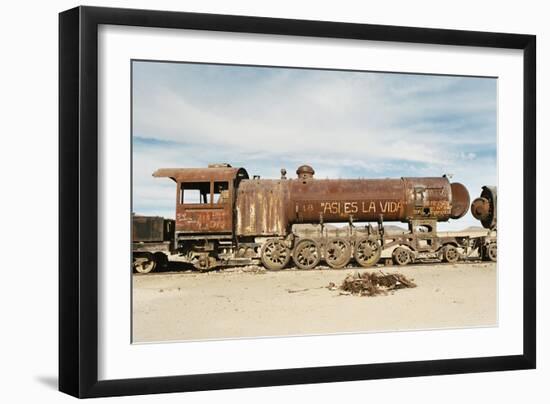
(197,219)
(461,200)
(372,284)
(151,240)
(212,211)
(329,201)
(484,208)
(368,200)
(224,218)
(305,172)
(161,246)
(261,208)
(202,174)
(148,229)
(268,207)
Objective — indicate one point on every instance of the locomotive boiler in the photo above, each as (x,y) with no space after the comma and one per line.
(224,218)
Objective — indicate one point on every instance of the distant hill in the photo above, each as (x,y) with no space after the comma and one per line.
(474,228)
(393,229)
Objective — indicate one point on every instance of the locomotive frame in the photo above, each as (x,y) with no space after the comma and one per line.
(78,220)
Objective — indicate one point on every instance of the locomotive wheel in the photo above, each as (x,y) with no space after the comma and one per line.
(450,254)
(306,254)
(203,262)
(337,253)
(275,254)
(161,259)
(401,256)
(367,252)
(145,264)
(491,252)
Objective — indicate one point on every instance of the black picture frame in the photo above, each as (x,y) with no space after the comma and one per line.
(78,201)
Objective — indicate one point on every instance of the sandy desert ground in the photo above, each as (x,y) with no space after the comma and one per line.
(173,306)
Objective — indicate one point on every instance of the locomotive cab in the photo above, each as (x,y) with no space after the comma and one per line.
(205,199)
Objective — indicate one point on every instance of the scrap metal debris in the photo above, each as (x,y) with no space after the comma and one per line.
(297,290)
(303,290)
(372,284)
(254,269)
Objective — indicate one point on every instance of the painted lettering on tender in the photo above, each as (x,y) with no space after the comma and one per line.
(350,207)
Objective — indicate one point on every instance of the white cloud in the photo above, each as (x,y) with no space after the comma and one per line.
(345,124)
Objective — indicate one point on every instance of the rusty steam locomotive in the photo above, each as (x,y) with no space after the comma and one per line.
(225,218)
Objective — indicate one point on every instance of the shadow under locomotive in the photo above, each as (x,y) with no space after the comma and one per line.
(224,218)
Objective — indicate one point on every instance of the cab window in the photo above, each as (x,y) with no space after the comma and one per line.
(194,193)
(221,192)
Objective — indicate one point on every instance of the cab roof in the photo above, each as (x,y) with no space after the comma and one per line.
(202,174)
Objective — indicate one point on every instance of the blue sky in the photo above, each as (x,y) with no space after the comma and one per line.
(344,124)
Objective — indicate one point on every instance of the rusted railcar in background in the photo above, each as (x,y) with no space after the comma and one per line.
(484,209)
(152,242)
(225,218)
